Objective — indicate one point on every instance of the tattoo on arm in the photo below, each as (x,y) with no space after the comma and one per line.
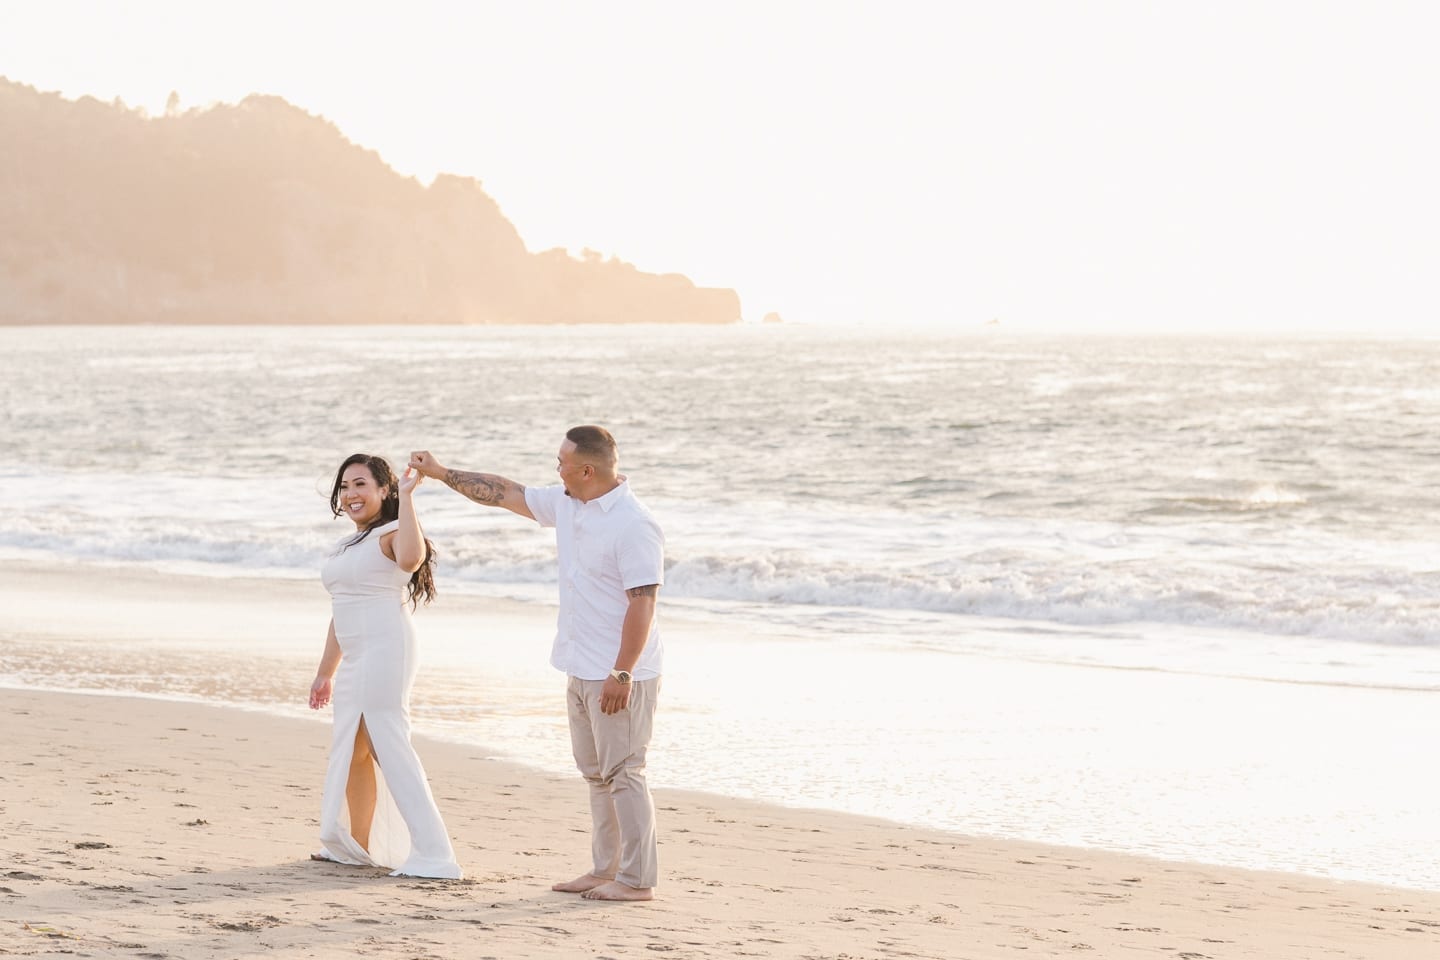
(649,590)
(481,487)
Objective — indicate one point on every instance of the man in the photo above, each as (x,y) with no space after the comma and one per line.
(611,555)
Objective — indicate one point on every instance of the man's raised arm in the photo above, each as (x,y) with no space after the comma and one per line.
(484,488)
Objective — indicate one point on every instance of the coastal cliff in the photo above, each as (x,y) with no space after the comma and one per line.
(259,212)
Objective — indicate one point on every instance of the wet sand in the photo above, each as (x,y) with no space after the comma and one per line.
(148,828)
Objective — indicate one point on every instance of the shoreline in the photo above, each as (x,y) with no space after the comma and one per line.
(153,828)
(985,755)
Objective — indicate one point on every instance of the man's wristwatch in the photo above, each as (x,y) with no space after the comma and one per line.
(622,675)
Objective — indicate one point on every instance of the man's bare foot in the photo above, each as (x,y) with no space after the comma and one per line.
(615,890)
(580,884)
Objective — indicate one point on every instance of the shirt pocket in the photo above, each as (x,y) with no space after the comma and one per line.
(596,559)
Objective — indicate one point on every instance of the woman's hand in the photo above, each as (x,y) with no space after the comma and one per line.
(320,692)
(410,479)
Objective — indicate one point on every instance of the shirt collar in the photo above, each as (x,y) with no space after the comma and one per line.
(622,490)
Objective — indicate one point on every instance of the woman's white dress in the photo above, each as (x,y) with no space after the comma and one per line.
(377,640)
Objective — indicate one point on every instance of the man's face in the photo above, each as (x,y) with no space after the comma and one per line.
(571,470)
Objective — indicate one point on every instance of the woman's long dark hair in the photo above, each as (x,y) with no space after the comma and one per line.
(422,581)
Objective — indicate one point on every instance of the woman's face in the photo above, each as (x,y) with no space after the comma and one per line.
(360,496)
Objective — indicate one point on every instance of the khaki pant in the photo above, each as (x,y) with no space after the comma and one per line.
(610,752)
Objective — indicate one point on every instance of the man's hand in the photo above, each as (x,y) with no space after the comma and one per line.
(615,697)
(423,461)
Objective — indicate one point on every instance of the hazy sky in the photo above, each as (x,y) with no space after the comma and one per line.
(1102,166)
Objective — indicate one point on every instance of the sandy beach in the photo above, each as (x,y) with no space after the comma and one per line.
(158,816)
(146,828)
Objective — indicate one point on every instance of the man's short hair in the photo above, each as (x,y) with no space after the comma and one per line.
(594,444)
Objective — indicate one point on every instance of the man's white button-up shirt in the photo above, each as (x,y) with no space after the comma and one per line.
(605,547)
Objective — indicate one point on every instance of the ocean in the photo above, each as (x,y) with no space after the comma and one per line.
(1174,596)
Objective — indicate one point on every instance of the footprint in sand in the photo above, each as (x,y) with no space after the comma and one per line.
(248,926)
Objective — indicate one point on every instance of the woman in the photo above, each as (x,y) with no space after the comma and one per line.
(377,809)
